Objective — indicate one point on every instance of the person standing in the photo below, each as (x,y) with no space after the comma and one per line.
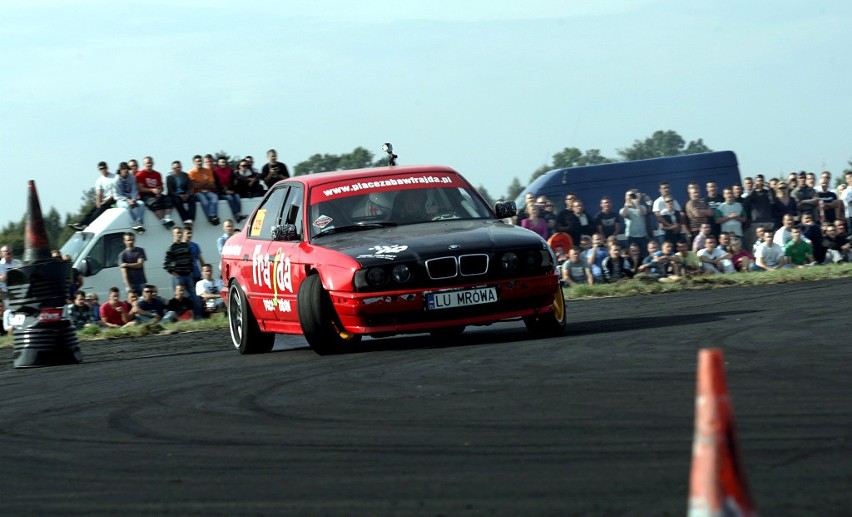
(178,262)
(730,215)
(607,221)
(273,171)
(151,192)
(698,213)
(131,261)
(829,204)
(634,214)
(179,188)
(663,225)
(104,197)
(534,222)
(807,199)
(846,201)
(760,202)
(7,261)
(228,228)
(195,249)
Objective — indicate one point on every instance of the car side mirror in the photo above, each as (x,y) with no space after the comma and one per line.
(88,267)
(285,232)
(505,209)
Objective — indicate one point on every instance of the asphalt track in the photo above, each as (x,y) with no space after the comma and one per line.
(599,422)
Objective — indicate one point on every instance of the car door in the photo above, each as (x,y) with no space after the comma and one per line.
(274,253)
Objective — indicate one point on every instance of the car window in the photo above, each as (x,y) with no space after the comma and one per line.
(105,252)
(269,213)
(292,212)
(413,198)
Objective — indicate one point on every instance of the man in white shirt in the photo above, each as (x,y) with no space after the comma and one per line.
(783,235)
(6,262)
(660,205)
(769,255)
(209,290)
(847,200)
(713,259)
(104,197)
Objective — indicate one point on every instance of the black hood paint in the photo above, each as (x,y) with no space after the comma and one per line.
(429,240)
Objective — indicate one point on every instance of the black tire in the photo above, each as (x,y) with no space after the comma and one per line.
(245,332)
(447,334)
(553,323)
(320,324)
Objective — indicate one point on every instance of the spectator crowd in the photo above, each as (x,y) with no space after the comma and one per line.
(758,225)
(196,293)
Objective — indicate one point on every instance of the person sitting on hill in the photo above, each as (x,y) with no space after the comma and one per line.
(575,271)
(616,267)
(116,313)
(80,313)
(182,306)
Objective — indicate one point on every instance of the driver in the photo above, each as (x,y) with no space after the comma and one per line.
(413,206)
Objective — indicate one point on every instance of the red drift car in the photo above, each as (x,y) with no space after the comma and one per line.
(383,251)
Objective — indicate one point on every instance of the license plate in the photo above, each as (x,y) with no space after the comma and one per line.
(461,298)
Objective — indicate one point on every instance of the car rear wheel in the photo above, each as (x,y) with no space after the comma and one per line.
(320,324)
(553,323)
(245,332)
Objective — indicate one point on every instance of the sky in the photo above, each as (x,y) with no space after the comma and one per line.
(491,88)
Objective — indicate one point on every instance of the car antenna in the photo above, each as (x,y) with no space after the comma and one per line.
(388,148)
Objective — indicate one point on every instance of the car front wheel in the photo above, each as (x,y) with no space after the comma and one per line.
(245,332)
(552,323)
(320,324)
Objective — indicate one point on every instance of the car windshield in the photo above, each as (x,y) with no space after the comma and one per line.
(75,244)
(380,208)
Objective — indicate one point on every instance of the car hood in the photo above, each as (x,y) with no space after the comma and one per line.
(429,240)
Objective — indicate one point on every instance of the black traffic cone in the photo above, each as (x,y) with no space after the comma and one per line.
(43,335)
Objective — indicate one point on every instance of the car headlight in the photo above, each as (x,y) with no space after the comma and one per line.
(401,273)
(376,276)
(509,262)
(532,259)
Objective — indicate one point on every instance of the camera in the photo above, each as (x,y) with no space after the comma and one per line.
(633,195)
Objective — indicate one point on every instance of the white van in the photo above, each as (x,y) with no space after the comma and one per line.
(94,251)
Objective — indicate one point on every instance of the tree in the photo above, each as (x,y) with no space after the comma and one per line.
(357,159)
(572,157)
(484,193)
(515,189)
(661,144)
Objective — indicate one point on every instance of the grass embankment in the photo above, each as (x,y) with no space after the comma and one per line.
(216,321)
(640,287)
(627,288)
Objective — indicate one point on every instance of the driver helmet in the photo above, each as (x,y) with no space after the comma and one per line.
(379,203)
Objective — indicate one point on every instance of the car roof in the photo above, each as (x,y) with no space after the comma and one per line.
(321,178)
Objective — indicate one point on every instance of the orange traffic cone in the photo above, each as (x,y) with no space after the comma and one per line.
(718,484)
